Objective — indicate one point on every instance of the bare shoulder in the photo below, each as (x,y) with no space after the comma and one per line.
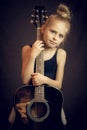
(61,52)
(61,55)
(25,51)
(26,48)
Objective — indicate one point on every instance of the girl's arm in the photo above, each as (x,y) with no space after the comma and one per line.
(29,55)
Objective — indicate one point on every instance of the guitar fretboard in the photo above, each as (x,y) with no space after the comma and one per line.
(39,91)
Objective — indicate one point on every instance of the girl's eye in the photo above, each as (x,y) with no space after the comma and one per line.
(52,31)
(61,36)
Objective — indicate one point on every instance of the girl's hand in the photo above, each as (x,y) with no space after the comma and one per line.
(38,79)
(37,47)
(21,107)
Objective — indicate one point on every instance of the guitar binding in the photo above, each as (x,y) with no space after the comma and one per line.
(38,111)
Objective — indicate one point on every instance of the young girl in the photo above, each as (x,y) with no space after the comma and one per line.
(54,33)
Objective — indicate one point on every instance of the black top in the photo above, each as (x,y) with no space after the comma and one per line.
(50,67)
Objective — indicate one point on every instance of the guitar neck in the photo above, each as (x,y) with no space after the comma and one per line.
(39,91)
(40,57)
(38,17)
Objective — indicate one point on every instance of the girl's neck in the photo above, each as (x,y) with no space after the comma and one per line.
(48,53)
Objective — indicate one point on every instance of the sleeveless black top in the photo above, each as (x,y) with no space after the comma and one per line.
(50,67)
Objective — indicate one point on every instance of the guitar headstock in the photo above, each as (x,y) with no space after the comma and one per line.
(38,16)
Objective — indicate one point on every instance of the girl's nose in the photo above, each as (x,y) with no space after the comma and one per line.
(55,37)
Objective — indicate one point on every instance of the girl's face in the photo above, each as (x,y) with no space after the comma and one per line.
(54,33)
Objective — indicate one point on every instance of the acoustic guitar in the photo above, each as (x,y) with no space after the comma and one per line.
(45,102)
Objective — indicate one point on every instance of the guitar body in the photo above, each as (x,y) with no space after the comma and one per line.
(53,121)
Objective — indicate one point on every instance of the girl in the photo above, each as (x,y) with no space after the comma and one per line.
(53,33)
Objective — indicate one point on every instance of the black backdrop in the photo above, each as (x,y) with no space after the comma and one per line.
(16,31)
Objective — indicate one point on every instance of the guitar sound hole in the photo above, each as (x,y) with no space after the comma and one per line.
(38,109)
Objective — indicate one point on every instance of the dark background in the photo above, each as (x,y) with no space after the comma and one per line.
(16,31)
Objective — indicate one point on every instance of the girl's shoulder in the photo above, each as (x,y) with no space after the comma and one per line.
(26,48)
(61,54)
(61,51)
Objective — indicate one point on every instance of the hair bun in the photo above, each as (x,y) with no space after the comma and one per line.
(64,11)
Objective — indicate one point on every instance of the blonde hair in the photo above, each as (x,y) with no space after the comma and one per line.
(63,13)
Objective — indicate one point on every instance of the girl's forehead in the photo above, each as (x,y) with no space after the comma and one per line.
(56,21)
(59,25)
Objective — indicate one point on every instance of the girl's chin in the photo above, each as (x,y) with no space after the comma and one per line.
(50,46)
